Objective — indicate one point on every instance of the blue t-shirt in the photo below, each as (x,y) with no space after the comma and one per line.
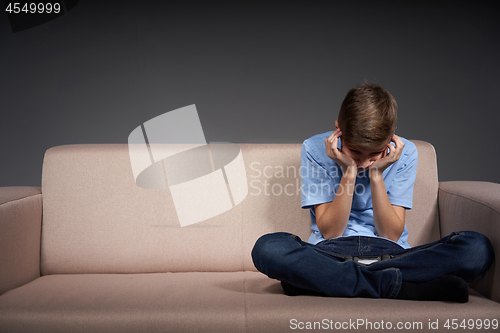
(321,178)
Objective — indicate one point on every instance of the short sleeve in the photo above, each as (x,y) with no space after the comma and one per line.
(317,185)
(400,190)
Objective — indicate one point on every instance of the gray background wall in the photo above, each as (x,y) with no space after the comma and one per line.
(267,72)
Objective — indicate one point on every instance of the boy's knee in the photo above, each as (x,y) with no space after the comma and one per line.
(268,247)
(260,245)
(268,242)
(478,250)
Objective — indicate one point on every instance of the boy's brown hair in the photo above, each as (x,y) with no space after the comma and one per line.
(368,116)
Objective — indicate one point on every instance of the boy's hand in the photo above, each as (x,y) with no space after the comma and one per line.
(394,154)
(346,163)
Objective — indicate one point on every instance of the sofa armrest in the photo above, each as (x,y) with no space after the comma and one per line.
(475,206)
(20,228)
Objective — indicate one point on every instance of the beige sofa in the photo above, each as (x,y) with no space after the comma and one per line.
(92,252)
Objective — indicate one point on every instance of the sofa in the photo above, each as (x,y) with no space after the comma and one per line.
(91,251)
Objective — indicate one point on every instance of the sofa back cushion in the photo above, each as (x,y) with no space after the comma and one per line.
(97,220)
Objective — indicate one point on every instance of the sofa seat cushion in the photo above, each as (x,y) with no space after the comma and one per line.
(206,302)
(158,302)
(269,310)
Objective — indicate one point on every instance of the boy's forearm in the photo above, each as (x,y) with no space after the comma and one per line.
(387,222)
(333,221)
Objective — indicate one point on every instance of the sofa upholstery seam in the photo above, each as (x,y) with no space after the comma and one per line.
(245,309)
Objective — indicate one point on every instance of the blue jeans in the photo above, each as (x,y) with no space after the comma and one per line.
(322,268)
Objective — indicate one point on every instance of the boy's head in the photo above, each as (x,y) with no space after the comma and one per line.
(368,116)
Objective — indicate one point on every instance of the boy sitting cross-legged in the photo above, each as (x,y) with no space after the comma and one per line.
(357,185)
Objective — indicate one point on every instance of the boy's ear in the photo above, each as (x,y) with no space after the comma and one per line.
(336,124)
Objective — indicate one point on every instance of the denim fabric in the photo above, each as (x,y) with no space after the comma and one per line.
(322,267)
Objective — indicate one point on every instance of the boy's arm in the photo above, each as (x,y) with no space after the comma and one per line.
(389,219)
(332,217)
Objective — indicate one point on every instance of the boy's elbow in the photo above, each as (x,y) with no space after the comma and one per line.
(393,236)
(331,235)
(328,233)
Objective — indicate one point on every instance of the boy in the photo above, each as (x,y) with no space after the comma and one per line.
(358,185)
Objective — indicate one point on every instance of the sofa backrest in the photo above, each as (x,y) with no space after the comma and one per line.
(97,220)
